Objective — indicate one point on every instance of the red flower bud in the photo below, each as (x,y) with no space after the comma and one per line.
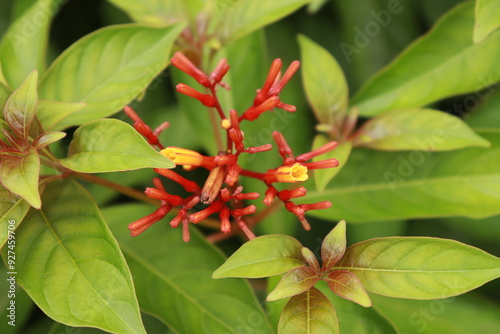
(185,65)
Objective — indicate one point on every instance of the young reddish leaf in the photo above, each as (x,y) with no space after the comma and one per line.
(324,83)
(308,313)
(47,138)
(334,245)
(407,129)
(419,267)
(346,285)
(311,259)
(20,175)
(20,107)
(294,282)
(263,256)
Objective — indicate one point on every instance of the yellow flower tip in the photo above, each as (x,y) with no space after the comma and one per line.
(225,123)
(291,174)
(181,156)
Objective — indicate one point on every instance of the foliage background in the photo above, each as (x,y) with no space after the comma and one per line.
(331,25)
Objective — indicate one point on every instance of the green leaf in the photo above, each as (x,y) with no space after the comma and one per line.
(419,267)
(20,174)
(20,108)
(13,209)
(5,93)
(487,19)
(173,279)
(444,62)
(486,116)
(324,83)
(409,185)
(407,129)
(71,266)
(310,312)
(114,65)
(458,315)
(51,113)
(323,176)
(24,45)
(346,285)
(47,138)
(110,145)
(263,256)
(354,318)
(294,282)
(315,6)
(153,12)
(333,246)
(246,16)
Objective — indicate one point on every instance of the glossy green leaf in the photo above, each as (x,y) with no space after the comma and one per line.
(12,211)
(110,145)
(324,83)
(487,19)
(323,176)
(51,113)
(246,16)
(333,246)
(354,318)
(24,45)
(20,108)
(173,279)
(458,315)
(404,185)
(315,5)
(308,313)
(294,282)
(346,285)
(76,275)
(153,12)
(48,138)
(445,62)
(114,65)
(263,256)
(20,174)
(419,267)
(487,115)
(417,129)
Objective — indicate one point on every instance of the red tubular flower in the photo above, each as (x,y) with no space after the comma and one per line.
(189,186)
(286,195)
(205,99)
(185,65)
(143,224)
(273,74)
(214,207)
(319,151)
(173,200)
(323,164)
(225,225)
(144,129)
(220,70)
(290,71)
(283,147)
(253,113)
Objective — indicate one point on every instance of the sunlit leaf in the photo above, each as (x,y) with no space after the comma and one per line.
(419,267)
(76,275)
(109,145)
(308,313)
(324,83)
(20,174)
(246,16)
(445,62)
(50,113)
(487,19)
(416,129)
(263,256)
(47,138)
(114,65)
(173,279)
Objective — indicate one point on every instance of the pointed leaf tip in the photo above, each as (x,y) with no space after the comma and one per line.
(334,245)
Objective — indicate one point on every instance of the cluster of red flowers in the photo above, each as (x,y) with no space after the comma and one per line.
(224,168)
